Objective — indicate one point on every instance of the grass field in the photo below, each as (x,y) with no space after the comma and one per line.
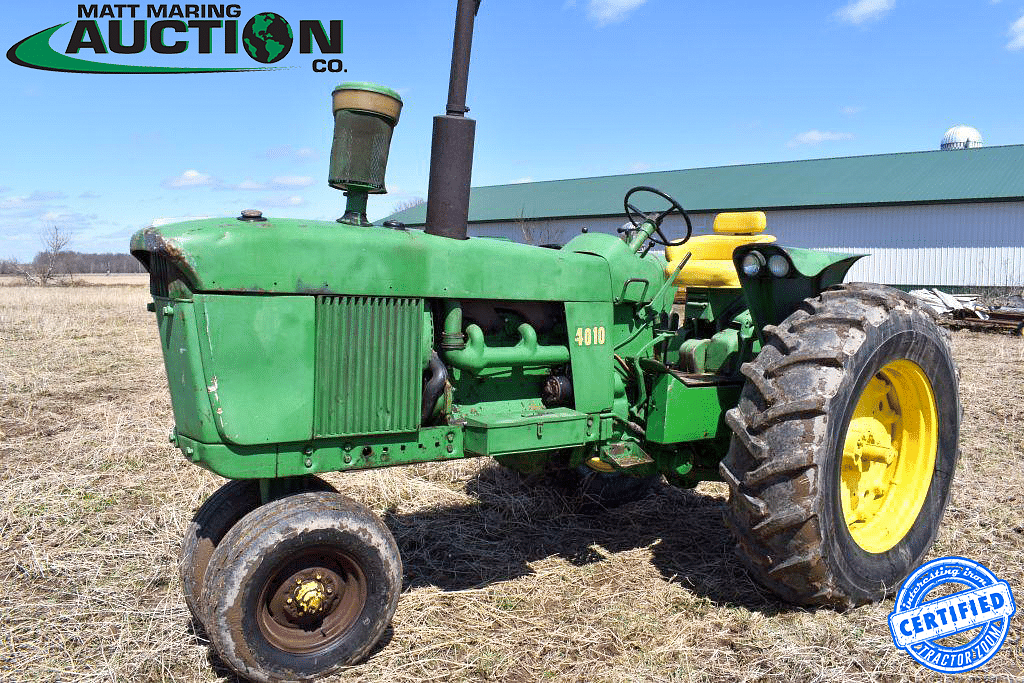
(502,582)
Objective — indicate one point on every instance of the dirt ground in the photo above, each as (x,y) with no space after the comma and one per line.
(502,582)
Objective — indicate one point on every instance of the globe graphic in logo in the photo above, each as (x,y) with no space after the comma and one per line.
(267,37)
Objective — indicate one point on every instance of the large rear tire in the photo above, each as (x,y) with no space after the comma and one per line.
(844,447)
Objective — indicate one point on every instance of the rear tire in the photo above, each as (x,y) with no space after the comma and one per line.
(301,587)
(822,513)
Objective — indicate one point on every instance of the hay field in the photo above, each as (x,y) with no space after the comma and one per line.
(502,583)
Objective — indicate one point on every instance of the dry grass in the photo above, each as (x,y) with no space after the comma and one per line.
(502,583)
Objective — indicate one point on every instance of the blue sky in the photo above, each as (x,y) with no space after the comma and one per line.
(559,89)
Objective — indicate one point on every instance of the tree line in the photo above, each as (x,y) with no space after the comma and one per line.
(74,263)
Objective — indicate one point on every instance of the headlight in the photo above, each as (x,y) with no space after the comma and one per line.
(753,263)
(778,265)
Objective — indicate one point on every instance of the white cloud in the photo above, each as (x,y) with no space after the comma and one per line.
(291,181)
(859,11)
(605,12)
(165,220)
(638,167)
(35,200)
(289,152)
(193,178)
(278,202)
(850,111)
(12,202)
(816,137)
(524,179)
(190,178)
(21,227)
(1016,35)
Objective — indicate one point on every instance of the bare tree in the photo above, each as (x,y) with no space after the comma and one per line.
(407,204)
(539,233)
(48,263)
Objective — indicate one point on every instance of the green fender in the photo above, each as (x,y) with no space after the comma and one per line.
(771,299)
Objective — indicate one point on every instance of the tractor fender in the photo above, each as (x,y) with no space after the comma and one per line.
(770,298)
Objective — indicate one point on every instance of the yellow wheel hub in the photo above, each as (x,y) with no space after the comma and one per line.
(600,465)
(310,596)
(889,456)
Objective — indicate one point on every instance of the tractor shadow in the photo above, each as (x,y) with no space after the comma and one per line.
(459,547)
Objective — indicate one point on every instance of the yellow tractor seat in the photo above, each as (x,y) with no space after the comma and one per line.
(711,262)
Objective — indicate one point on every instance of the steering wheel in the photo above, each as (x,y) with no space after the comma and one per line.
(638,217)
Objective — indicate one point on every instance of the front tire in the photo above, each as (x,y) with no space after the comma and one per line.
(301,587)
(211,523)
(844,447)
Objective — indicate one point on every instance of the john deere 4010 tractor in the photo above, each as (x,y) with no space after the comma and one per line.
(297,347)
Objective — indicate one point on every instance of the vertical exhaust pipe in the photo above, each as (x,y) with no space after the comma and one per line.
(451,149)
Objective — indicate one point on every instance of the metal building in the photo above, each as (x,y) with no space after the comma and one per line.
(939,218)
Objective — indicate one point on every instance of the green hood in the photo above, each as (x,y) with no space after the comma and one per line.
(290,256)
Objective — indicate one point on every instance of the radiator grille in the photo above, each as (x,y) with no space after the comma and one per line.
(368,365)
(161,272)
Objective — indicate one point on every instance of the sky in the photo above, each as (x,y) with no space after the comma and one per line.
(559,90)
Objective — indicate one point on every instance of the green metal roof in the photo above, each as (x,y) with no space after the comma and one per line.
(986,173)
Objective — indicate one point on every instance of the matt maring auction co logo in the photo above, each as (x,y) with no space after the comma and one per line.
(171,30)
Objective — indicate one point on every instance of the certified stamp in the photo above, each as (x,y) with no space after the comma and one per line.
(983,604)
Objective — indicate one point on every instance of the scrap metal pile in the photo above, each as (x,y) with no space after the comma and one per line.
(964,312)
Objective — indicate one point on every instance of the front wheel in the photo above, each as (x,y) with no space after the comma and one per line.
(211,523)
(844,446)
(301,587)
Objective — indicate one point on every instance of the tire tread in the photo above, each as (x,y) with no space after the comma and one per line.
(773,480)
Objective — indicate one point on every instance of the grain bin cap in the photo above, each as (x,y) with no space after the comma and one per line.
(365,115)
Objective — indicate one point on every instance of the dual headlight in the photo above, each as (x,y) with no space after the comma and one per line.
(754,264)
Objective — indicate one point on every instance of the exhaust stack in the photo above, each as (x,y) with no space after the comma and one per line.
(451,149)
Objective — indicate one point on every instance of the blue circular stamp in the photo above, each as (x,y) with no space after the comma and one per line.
(984,604)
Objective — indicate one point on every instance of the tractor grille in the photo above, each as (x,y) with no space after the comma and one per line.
(161,272)
(368,365)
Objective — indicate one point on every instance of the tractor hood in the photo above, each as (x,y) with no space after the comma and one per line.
(289,256)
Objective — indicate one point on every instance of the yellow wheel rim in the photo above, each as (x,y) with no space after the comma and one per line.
(889,456)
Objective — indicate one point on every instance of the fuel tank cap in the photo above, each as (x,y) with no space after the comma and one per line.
(251,215)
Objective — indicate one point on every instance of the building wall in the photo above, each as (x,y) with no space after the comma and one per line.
(956,245)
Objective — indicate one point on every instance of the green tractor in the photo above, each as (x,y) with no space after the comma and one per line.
(297,347)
